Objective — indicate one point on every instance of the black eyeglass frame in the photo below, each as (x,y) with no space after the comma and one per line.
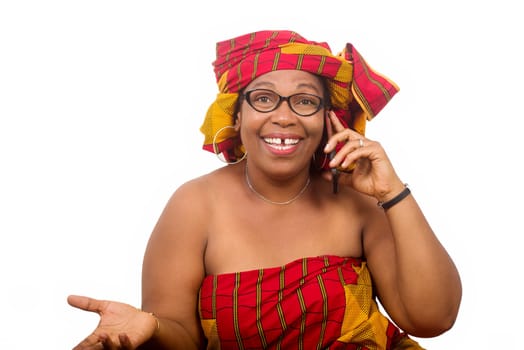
(247,95)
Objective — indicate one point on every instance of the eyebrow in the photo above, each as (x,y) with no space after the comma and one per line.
(271,85)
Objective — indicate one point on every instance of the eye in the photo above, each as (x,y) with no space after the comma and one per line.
(263,97)
(306,100)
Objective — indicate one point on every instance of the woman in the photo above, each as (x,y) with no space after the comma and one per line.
(271,255)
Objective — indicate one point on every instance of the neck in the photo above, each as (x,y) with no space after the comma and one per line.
(264,198)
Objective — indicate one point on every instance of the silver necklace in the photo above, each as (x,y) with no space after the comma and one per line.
(269,200)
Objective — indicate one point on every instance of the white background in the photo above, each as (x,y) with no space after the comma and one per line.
(100,106)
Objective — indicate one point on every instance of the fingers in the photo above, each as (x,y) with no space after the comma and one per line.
(92,342)
(349,153)
(107,342)
(337,133)
(125,342)
(335,122)
(338,127)
(104,341)
(346,157)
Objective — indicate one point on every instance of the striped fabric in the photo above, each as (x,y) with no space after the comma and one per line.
(357,92)
(312,303)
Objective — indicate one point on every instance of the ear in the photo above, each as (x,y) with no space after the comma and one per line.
(238,121)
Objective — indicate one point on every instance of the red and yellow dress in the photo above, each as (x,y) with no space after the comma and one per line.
(321,302)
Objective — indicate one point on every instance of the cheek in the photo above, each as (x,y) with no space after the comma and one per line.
(249,121)
(247,125)
(316,130)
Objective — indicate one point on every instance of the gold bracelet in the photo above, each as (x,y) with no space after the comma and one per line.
(157,322)
(155,317)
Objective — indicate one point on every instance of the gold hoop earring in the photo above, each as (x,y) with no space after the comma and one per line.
(324,161)
(224,156)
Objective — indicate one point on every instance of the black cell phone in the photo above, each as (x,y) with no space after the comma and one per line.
(334,171)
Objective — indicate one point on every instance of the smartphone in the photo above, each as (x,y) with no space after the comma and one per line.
(334,171)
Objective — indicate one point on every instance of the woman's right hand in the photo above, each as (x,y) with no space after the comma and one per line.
(121,326)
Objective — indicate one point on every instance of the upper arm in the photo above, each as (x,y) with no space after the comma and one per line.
(415,278)
(380,253)
(173,266)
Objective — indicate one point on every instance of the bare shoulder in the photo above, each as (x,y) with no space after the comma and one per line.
(173,265)
(198,194)
(189,212)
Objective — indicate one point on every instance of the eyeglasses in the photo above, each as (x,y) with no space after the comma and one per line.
(266,101)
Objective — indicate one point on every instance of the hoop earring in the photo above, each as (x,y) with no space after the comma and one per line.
(217,152)
(324,161)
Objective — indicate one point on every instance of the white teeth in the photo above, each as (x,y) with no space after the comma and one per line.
(278,141)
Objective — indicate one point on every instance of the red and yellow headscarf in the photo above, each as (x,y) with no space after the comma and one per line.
(357,92)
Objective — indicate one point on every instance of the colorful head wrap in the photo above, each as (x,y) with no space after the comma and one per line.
(357,92)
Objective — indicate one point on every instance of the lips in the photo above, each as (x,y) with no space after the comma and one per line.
(281,144)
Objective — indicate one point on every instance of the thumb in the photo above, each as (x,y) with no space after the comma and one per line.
(85,303)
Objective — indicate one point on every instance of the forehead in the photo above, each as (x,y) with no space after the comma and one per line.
(287,79)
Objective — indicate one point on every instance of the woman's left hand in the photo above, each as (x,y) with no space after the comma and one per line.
(362,163)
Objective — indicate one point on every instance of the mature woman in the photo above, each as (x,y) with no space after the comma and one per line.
(264,253)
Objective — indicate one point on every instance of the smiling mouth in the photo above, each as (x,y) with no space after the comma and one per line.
(279,143)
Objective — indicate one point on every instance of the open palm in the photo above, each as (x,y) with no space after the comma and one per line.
(121,326)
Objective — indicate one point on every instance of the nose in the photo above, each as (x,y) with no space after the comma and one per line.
(283,114)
